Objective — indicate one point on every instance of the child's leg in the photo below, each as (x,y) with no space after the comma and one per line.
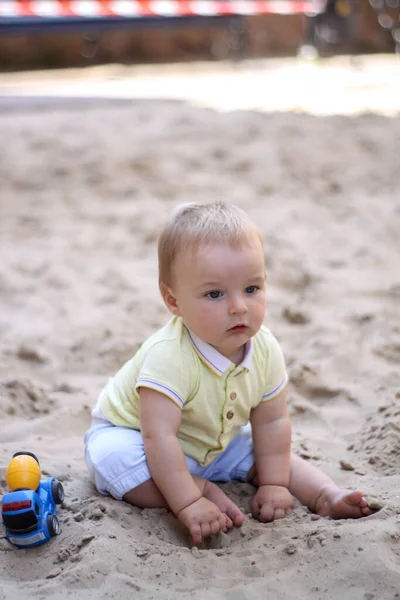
(148,495)
(320,494)
(117,464)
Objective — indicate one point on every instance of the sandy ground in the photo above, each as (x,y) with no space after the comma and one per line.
(85,188)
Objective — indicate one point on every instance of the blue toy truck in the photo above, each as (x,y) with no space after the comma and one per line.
(28,511)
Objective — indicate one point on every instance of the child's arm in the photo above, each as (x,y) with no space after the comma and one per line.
(272,441)
(160,419)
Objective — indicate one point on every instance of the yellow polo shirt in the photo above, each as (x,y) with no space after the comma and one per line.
(214,394)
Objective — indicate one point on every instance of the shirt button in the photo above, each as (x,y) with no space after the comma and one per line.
(230,415)
(233,396)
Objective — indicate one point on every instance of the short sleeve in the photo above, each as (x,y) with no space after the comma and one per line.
(276,375)
(166,369)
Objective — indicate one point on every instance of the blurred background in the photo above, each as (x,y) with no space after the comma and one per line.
(31,39)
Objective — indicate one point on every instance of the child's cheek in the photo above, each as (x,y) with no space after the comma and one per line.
(209,313)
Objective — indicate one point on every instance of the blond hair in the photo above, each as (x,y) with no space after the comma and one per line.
(192,224)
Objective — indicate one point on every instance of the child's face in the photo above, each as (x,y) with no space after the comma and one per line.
(219,291)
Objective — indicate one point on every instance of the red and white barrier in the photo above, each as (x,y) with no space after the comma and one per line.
(160,8)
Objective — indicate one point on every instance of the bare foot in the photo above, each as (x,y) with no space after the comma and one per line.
(339,503)
(213,493)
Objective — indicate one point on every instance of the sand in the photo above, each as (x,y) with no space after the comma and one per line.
(85,189)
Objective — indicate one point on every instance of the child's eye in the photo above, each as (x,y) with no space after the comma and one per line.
(214,294)
(251,289)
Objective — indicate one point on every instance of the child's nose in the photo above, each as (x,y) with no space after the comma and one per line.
(237,306)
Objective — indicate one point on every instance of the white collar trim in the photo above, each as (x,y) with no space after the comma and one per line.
(216,361)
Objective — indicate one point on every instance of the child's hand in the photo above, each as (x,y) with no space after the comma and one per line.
(271,502)
(203,519)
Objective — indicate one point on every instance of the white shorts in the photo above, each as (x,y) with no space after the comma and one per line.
(117,463)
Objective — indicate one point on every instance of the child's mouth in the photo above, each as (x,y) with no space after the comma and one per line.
(238,329)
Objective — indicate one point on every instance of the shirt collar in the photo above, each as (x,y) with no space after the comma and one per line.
(216,361)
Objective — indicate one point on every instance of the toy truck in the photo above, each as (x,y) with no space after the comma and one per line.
(28,510)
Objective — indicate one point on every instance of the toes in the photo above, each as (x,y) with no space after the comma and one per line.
(344,504)
(366,511)
(355,498)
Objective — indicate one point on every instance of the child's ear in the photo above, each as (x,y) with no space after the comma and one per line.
(169,299)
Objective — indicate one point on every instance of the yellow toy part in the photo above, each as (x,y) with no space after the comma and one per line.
(23,472)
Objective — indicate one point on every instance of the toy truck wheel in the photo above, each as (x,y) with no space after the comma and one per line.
(53,525)
(57,491)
